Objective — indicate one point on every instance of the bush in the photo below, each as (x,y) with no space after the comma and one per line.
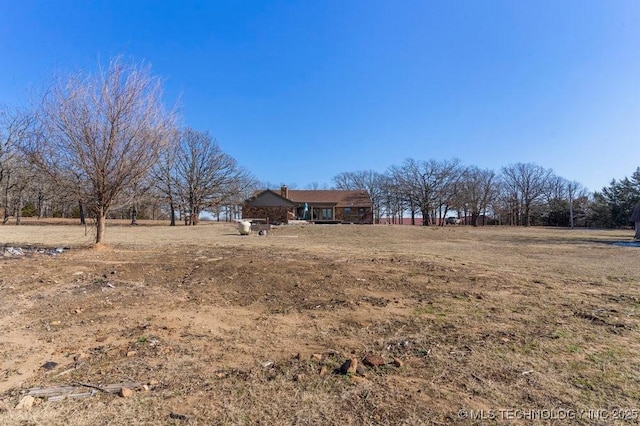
(29,211)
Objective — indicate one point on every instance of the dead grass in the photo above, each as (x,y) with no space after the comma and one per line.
(250,330)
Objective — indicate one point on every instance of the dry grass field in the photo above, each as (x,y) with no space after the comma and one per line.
(449,325)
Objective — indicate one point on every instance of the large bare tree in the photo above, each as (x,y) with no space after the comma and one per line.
(431,185)
(367,180)
(477,190)
(402,188)
(525,184)
(206,177)
(165,178)
(104,133)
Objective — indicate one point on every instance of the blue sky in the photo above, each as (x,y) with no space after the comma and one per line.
(299,91)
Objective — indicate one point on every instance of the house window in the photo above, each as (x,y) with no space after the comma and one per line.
(327,214)
(347,211)
(361,211)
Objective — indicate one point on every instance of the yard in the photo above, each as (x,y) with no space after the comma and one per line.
(450,325)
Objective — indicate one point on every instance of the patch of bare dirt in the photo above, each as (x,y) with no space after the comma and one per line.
(211,327)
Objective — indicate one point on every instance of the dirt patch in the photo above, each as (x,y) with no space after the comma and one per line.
(218,328)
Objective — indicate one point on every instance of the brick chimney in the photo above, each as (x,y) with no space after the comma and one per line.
(284,191)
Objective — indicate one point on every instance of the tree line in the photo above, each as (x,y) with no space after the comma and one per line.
(521,194)
(100,145)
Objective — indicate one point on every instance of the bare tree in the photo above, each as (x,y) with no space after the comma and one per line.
(17,128)
(367,180)
(554,206)
(104,132)
(575,190)
(413,184)
(394,203)
(239,190)
(431,185)
(165,179)
(448,175)
(402,183)
(206,176)
(525,183)
(477,190)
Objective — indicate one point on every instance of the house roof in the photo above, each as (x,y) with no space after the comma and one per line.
(270,195)
(339,198)
(332,197)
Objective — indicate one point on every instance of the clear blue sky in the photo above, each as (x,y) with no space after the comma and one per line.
(299,91)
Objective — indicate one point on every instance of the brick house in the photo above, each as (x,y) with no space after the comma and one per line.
(318,206)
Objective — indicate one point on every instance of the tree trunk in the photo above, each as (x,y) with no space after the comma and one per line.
(571,212)
(101,222)
(637,236)
(425,216)
(474,218)
(195,216)
(134,215)
(83,219)
(19,211)
(40,205)
(6,206)
(172,214)
(192,211)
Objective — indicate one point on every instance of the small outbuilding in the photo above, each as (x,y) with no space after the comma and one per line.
(635,218)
